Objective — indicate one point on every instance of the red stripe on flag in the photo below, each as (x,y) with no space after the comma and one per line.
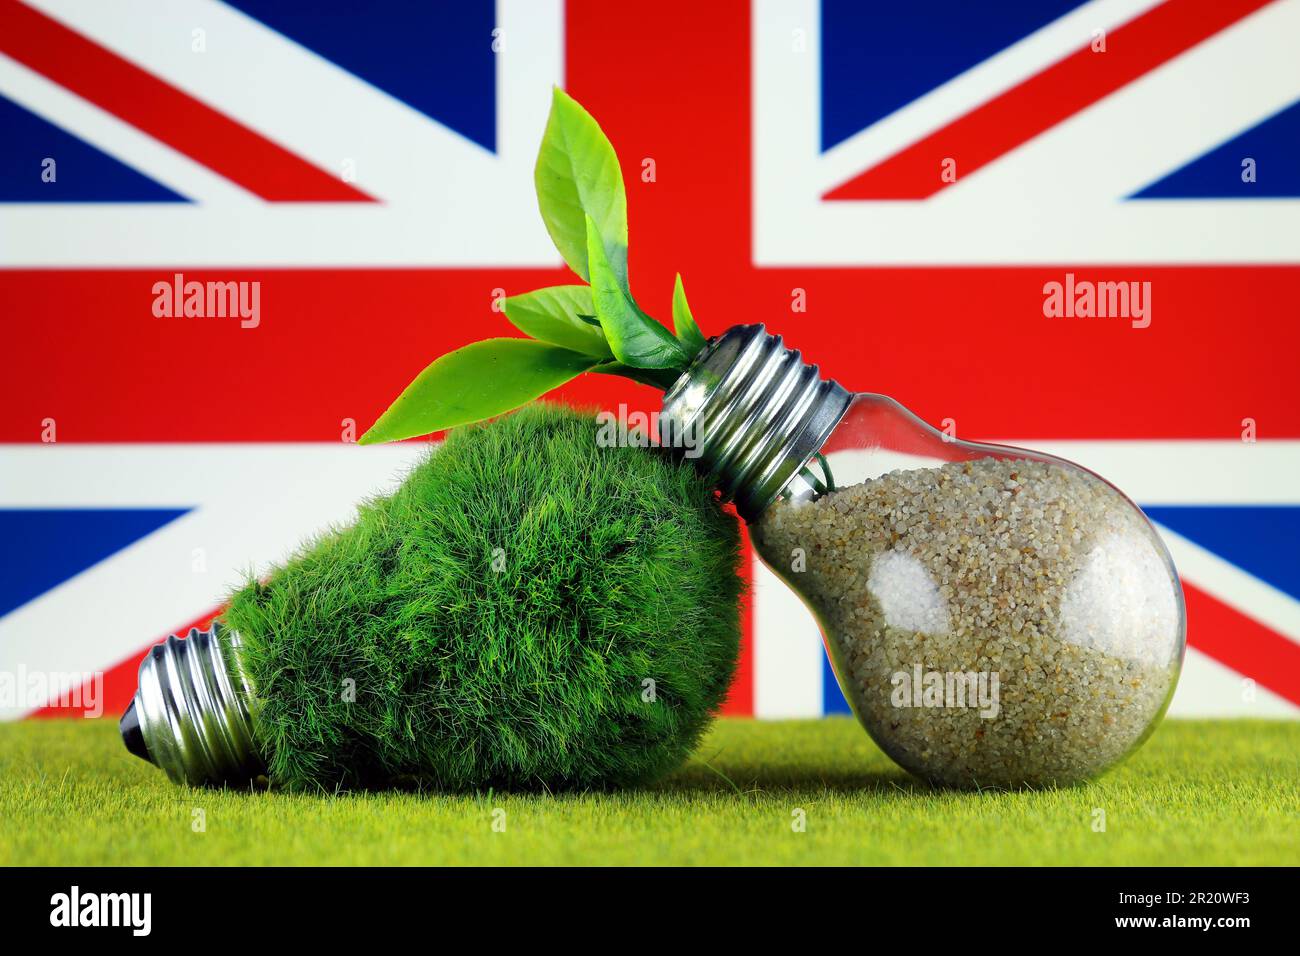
(1043,100)
(740,699)
(1242,643)
(164,112)
(967,344)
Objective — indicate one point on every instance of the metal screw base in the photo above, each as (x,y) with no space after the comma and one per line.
(757,414)
(191,716)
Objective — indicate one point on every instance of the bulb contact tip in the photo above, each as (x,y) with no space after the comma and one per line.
(132,736)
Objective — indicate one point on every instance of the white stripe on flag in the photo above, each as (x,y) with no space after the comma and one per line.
(1207,688)
(118,139)
(787,651)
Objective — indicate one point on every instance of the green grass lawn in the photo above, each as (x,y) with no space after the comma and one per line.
(1205,792)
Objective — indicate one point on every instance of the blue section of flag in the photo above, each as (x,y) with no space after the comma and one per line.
(435,57)
(878,57)
(1263,540)
(45,547)
(81,172)
(1273,145)
(833,701)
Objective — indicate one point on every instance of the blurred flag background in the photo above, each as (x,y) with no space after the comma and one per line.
(894,188)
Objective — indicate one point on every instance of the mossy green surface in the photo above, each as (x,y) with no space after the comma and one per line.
(1215,793)
(528,610)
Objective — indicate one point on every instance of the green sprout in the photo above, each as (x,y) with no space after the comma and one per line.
(598,327)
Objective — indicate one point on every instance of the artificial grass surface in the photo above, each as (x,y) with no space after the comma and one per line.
(1203,792)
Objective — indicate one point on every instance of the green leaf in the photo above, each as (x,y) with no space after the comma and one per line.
(555,315)
(635,339)
(476,382)
(577,175)
(688,333)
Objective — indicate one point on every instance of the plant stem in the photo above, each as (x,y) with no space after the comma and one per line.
(826,470)
(820,485)
(660,378)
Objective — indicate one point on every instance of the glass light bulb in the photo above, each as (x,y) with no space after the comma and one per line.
(995,617)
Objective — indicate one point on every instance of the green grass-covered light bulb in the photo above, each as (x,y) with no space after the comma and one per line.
(528,610)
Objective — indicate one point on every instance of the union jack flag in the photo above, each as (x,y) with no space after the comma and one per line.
(891,187)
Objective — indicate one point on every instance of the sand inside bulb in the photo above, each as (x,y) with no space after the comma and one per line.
(995,622)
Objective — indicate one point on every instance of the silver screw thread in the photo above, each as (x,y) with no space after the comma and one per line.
(755,413)
(193,713)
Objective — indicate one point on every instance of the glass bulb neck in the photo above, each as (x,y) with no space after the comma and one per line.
(751,414)
(192,713)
